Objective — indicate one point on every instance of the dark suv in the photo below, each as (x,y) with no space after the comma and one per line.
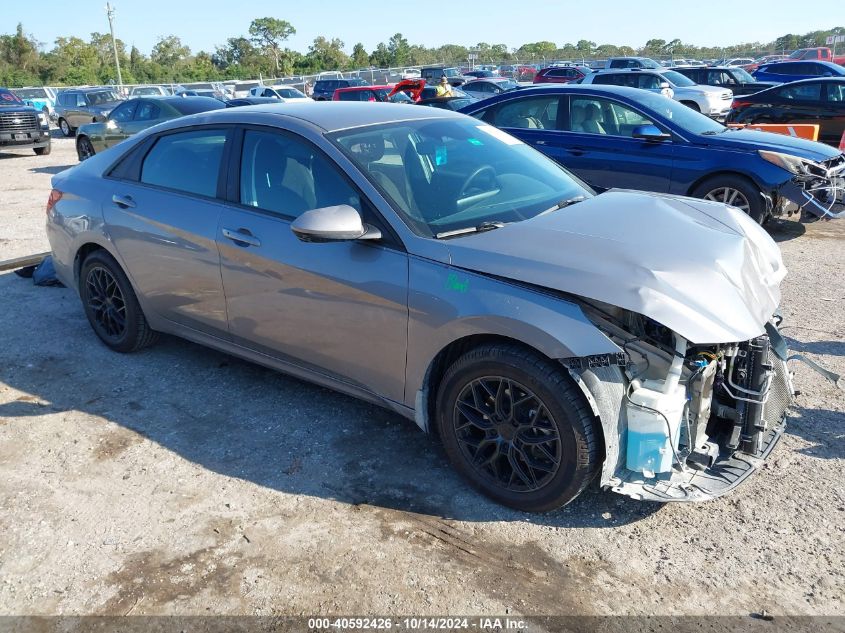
(432,75)
(79,106)
(324,88)
(22,126)
(733,77)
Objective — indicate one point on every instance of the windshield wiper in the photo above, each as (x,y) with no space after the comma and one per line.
(563,204)
(479,228)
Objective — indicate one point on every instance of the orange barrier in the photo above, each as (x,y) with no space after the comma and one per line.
(799,130)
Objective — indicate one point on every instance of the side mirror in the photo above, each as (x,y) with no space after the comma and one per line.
(650,133)
(664,85)
(111,124)
(333,224)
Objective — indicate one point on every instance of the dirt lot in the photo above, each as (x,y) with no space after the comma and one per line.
(182,481)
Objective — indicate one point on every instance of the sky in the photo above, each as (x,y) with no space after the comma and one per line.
(204,24)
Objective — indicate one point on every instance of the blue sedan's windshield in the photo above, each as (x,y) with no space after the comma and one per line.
(448,175)
(683,116)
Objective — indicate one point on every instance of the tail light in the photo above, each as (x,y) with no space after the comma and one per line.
(740,103)
(55,196)
(842,143)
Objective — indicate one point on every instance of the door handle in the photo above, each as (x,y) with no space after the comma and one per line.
(241,237)
(575,151)
(124,202)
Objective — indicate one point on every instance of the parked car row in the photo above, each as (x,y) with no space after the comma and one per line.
(620,137)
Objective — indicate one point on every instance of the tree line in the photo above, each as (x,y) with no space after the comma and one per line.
(262,52)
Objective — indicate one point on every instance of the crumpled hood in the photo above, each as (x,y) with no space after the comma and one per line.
(704,270)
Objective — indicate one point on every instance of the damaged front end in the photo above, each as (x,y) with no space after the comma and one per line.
(817,188)
(683,422)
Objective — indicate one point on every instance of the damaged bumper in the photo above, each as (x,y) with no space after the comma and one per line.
(729,410)
(819,192)
(730,467)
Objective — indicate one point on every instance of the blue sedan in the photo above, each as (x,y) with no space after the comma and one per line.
(617,137)
(785,72)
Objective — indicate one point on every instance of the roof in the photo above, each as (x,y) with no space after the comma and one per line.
(332,116)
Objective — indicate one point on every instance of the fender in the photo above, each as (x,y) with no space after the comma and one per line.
(447,304)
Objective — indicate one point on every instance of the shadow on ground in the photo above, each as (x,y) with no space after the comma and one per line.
(245,421)
(55,169)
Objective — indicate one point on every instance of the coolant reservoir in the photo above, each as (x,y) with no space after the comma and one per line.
(650,440)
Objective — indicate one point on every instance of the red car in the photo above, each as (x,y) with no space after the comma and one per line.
(561,74)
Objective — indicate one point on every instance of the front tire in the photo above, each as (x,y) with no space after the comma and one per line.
(735,191)
(111,305)
(66,129)
(514,424)
(84,148)
(692,105)
(43,151)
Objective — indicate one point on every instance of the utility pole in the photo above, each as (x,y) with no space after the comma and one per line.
(110,13)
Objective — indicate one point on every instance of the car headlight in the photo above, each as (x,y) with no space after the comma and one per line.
(42,118)
(793,164)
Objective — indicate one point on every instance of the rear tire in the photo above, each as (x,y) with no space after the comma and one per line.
(736,191)
(111,305)
(516,427)
(66,129)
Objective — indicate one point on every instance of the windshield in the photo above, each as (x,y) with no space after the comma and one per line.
(443,175)
(742,76)
(649,63)
(149,90)
(509,84)
(289,93)
(8,98)
(678,79)
(683,116)
(32,93)
(451,72)
(97,98)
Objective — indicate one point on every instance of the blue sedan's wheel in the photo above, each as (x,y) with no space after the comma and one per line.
(735,191)
(516,427)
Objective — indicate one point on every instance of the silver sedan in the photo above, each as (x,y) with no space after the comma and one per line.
(427,262)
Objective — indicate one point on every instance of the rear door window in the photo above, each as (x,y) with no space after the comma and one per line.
(528,113)
(802,92)
(835,93)
(186,161)
(596,115)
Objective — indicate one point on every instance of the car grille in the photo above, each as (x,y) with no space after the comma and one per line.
(726,95)
(18,121)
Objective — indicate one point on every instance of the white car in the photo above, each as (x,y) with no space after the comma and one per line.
(285,93)
(713,101)
(148,91)
(411,73)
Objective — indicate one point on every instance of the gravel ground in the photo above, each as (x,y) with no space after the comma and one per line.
(183,481)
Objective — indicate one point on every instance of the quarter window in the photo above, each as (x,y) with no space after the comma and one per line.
(186,161)
(289,176)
